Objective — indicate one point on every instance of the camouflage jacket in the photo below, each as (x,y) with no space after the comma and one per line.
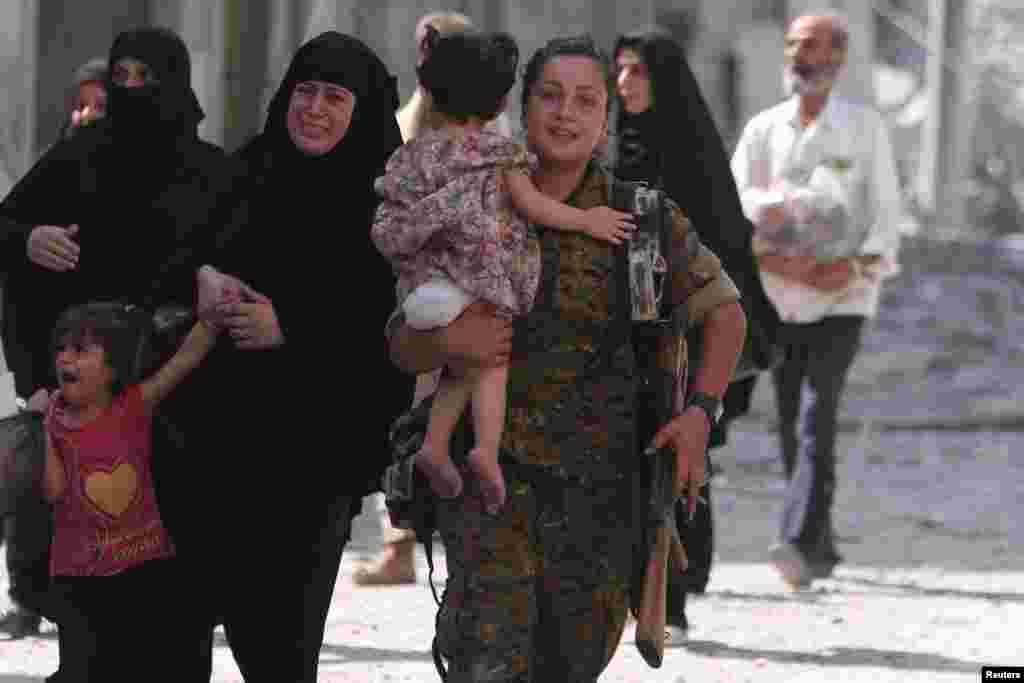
(586,429)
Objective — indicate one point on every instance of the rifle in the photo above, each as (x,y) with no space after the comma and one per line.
(661,356)
(661,397)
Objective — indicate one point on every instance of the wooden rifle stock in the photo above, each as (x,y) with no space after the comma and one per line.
(668,553)
(650,620)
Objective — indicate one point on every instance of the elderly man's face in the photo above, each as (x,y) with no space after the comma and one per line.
(812,62)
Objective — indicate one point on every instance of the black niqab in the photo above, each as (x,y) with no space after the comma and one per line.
(156,112)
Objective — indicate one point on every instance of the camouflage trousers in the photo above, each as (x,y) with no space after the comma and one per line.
(538,592)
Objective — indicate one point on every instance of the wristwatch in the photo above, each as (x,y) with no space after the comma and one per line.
(711,405)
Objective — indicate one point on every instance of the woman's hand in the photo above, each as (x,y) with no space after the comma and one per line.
(252,322)
(214,288)
(51,247)
(687,435)
(478,337)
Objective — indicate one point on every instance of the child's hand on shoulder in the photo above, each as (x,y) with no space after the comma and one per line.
(606,224)
(39,402)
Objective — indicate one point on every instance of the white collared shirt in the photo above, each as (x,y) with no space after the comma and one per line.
(845,137)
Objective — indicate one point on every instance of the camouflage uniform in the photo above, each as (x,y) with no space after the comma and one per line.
(539,592)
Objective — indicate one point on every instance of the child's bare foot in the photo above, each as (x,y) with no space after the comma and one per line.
(441,472)
(492,481)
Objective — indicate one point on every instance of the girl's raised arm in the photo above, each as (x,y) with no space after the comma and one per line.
(600,222)
(200,340)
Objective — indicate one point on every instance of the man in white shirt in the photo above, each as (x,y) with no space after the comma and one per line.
(817,165)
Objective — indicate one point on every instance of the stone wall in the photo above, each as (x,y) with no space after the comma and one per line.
(18,81)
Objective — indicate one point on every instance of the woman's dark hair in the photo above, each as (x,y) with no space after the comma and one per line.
(569,46)
(468,74)
(117,328)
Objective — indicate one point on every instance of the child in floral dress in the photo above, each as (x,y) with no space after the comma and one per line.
(453,223)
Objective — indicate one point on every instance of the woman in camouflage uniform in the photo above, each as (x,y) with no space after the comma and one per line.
(538,592)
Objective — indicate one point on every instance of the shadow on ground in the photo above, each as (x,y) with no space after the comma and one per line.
(914,590)
(352,653)
(330,652)
(804,597)
(840,657)
(847,589)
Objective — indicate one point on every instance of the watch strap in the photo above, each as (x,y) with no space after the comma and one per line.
(711,405)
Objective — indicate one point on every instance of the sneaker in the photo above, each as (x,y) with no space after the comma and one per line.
(19,623)
(789,562)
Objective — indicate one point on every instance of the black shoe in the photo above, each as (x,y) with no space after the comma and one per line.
(822,570)
(19,623)
(821,566)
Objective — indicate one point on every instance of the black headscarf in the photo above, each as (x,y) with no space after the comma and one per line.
(157,112)
(373,134)
(675,144)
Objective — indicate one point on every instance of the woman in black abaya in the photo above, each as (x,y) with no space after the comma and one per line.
(101,214)
(665,136)
(305,388)
(115,213)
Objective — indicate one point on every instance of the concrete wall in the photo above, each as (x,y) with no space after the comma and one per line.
(70,33)
(17,79)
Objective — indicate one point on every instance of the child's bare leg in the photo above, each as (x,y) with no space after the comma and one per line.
(489,423)
(450,400)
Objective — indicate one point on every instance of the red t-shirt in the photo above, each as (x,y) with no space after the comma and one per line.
(107,519)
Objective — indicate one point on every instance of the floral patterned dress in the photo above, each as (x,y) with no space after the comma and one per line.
(446,214)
